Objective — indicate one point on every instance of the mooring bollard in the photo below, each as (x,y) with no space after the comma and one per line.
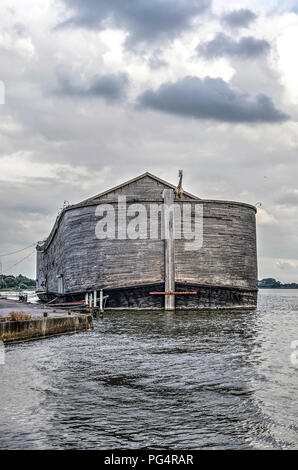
(45,314)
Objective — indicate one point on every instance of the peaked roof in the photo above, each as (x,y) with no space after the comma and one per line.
(137,178)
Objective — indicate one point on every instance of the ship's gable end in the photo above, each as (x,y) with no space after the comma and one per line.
(146,187)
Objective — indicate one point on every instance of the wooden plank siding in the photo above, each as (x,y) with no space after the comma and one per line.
(228,257)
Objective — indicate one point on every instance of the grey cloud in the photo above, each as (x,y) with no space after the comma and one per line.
(219,163)
(156,62)
(239,18)
(210,98)
(28,216)
(289,198)
(284,266)
(222,45)
(110,87)
(146,21)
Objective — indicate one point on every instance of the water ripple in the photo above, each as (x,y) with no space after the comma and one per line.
(188,380)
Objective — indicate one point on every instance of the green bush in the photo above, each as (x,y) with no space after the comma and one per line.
(19,282)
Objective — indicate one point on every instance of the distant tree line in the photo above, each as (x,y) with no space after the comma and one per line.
(15,283)
(271,283)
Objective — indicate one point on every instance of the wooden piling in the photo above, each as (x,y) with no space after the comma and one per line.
(169,250)
(101,300)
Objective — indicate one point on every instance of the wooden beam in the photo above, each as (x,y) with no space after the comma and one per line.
(101,301)
(169,255)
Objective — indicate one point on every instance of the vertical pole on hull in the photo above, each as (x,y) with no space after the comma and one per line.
(169,256)
(95,298)
(101,300)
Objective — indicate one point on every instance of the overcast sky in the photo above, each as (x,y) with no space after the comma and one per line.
(99,91)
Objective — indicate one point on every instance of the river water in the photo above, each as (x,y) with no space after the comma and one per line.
(188,380)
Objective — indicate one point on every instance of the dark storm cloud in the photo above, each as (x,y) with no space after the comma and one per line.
(239,18)
(146,20)
(110,87)
(210,98)
(222,45)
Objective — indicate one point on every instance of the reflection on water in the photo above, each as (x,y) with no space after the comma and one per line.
(189,380)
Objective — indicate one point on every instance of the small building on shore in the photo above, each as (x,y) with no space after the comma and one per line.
(148,244)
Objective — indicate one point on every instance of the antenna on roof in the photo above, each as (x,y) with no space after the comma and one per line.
(179,190)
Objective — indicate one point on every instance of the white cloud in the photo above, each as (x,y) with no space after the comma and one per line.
(287,58)
(19,167)
(265,218)
(288,265)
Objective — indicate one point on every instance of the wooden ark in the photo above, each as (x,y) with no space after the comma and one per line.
(136,272)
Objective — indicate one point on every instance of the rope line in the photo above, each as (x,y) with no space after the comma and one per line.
(20,261)
(18,251)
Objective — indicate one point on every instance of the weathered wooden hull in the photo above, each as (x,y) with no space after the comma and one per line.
(138,297)
(221,267)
